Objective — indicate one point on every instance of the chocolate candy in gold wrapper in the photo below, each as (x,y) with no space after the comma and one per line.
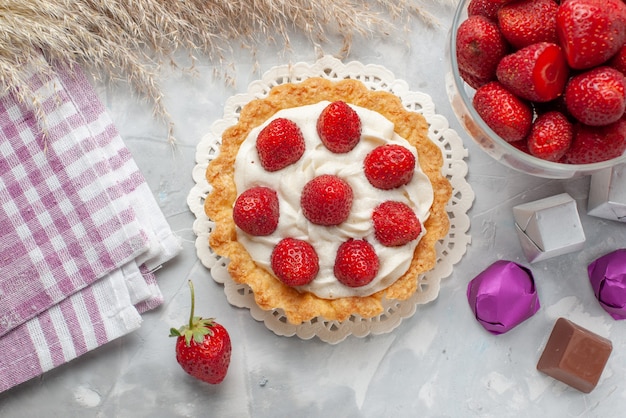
(575,355)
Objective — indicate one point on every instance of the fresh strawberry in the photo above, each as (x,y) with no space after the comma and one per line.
(557,104)
(597,97)
(550,136)
(537,72)
(506,114)
(619,60)
(479,48)
(389,166)
(294,262)
(472,80)
(280,144)
(339,127)
(521,145)
(395,224)
(526,22)
(326,200)
(356,263)
(203,347)
(591,31)
(593,144)
(256,211)
(486,8)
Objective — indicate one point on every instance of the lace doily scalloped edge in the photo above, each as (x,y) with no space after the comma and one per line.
(450,250)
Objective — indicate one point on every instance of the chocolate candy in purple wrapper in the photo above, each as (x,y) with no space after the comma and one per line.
(607,275)
(503,296)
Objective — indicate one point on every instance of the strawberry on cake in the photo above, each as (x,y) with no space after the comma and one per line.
(327,197)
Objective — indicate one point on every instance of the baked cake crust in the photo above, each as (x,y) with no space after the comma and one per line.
(269,292)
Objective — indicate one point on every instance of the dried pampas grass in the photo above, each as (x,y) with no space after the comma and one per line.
(130,40)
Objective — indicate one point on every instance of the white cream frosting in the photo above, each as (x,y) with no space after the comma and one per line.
(317,160)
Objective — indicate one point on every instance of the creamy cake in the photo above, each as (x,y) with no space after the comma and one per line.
(237,168)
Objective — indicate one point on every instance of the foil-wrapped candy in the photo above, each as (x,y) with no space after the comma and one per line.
(607,275)
(607,193)
(503,296)
(549,227)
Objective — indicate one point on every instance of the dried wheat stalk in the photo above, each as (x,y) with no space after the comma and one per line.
(129,40)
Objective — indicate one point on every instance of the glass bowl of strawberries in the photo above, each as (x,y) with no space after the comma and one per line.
(540,85)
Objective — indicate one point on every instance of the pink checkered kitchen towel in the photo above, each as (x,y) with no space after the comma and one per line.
(80,232)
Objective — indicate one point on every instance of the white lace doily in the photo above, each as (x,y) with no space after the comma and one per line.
(449,250)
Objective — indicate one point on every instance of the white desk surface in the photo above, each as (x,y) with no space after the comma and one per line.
(438,363)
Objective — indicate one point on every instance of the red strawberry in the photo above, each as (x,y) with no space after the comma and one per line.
(479,48)
(537,72)
(256,211)
(557,104)
(294,262)
(472,80)
(593,144)
(591,31)
(339,127)
(597,97)
(526,22)
(395,224)
(203,347)
(508,116)
(356,263)
(521,145)
(550,136)
(280,144)
(619,60)
(486,8)
(389,166)
(326,200)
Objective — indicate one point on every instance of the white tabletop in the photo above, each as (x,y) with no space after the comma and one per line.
(440,362)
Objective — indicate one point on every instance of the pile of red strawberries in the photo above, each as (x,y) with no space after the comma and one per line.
(549,75)
(326,200)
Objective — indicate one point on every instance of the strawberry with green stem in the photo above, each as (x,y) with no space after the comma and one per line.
(203,347)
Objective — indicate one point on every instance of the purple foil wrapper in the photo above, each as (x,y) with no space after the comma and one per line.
(503,296)
(607,275)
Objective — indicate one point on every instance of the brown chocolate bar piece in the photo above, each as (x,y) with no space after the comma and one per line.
(575,355)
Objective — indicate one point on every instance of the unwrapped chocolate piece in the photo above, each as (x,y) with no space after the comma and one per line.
(549,227)
(607,275)
(607,194)
(575,355)
(503,296)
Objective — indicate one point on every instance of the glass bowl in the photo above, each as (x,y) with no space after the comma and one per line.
(460,95)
